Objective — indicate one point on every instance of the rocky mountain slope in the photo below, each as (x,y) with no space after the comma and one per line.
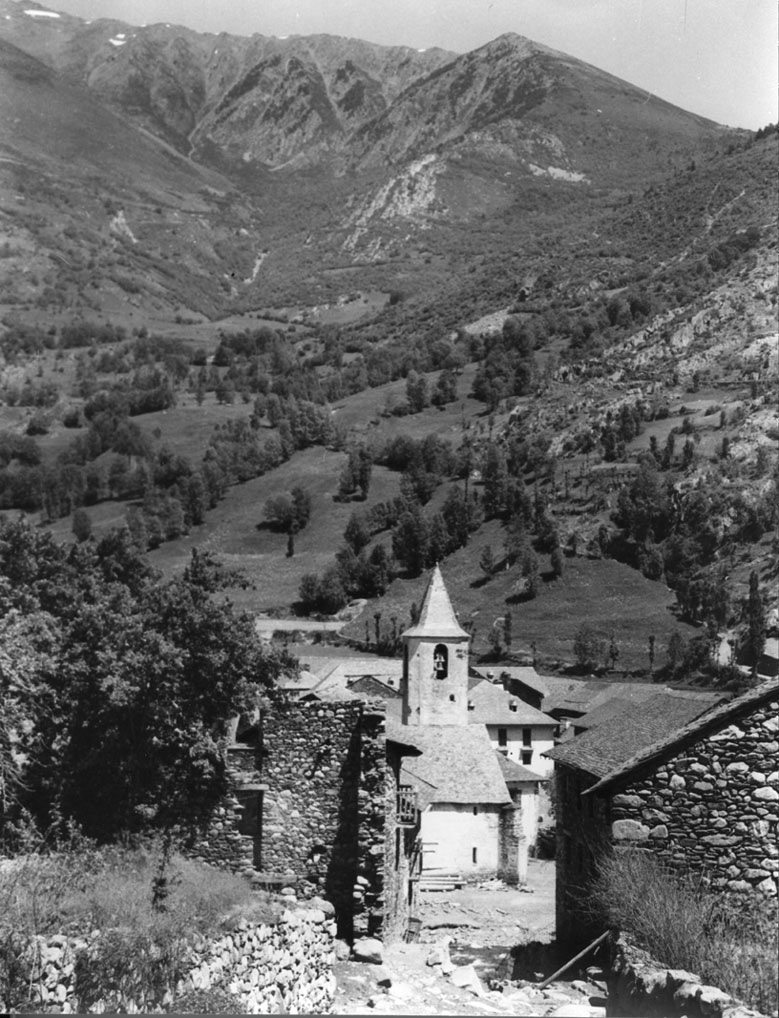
(401,169)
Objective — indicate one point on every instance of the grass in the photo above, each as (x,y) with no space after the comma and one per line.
(684,925)
(604,594)
(231,530)
(141,949)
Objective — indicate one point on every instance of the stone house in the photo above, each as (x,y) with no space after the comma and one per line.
(316,804)
(696,785)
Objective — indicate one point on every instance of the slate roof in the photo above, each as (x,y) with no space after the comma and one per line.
(436,616)
(300,682)
(605,747)
(598,715)
(583,697)
(523,673)
(516,773)
(491,706)
(697,728)
(335,677)
(457,763)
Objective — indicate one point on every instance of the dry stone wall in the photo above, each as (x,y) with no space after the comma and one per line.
(639,987)
(270,968)
(713,807)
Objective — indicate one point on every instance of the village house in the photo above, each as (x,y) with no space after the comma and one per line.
(517,730)
(693,783)
(316,804)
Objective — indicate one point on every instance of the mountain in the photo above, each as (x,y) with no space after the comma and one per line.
(349,105)
(305,223)
(341,163)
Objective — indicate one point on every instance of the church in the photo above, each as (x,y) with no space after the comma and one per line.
(477,808)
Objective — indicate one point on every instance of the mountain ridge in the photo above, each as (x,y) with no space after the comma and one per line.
(346,105)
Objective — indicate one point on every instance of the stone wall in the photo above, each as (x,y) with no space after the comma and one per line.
(285,966)
(713,807)
(323,821)
(639,987)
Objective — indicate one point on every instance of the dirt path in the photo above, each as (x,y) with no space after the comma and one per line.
(474,928)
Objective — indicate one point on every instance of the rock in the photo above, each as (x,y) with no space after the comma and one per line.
(342,951)
(322,903)
(629,830)
(369,950)
(382,976)
(466,978)
(766,793)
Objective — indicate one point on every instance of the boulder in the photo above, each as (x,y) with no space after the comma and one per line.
(466,978)
(369,950)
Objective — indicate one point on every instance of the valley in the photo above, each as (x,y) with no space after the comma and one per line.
(231,266)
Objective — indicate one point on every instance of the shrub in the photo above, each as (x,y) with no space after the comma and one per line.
(684,924)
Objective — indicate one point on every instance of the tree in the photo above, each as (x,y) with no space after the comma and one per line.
(676,650)
(613,652)
(410,540)
(446,388)
(416,392)
(357,534)
(487,560)
(588,648)
(82,525)
(755,618)
(507,630)
(557,562)
(495,479)
(530,572)
(130,713)
(355,478)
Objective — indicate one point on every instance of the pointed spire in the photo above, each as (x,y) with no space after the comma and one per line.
(436,617)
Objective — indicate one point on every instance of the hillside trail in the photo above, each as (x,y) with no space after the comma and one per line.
(474,927)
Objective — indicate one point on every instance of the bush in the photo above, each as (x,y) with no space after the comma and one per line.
(683,924)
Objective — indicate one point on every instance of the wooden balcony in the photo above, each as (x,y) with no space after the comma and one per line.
(406,811)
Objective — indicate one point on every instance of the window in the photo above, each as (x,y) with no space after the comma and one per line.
(474,855)
(527,757)
(440,661)
(475,810)
(527,737)
(502,737)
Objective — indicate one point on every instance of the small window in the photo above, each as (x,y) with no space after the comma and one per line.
(502,736)
(474,855)
(440,661)
(475,810)
(527,757)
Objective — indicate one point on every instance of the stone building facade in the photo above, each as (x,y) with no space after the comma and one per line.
(704,797)
(313,805)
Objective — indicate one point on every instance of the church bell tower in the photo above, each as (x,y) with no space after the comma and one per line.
(435,662)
